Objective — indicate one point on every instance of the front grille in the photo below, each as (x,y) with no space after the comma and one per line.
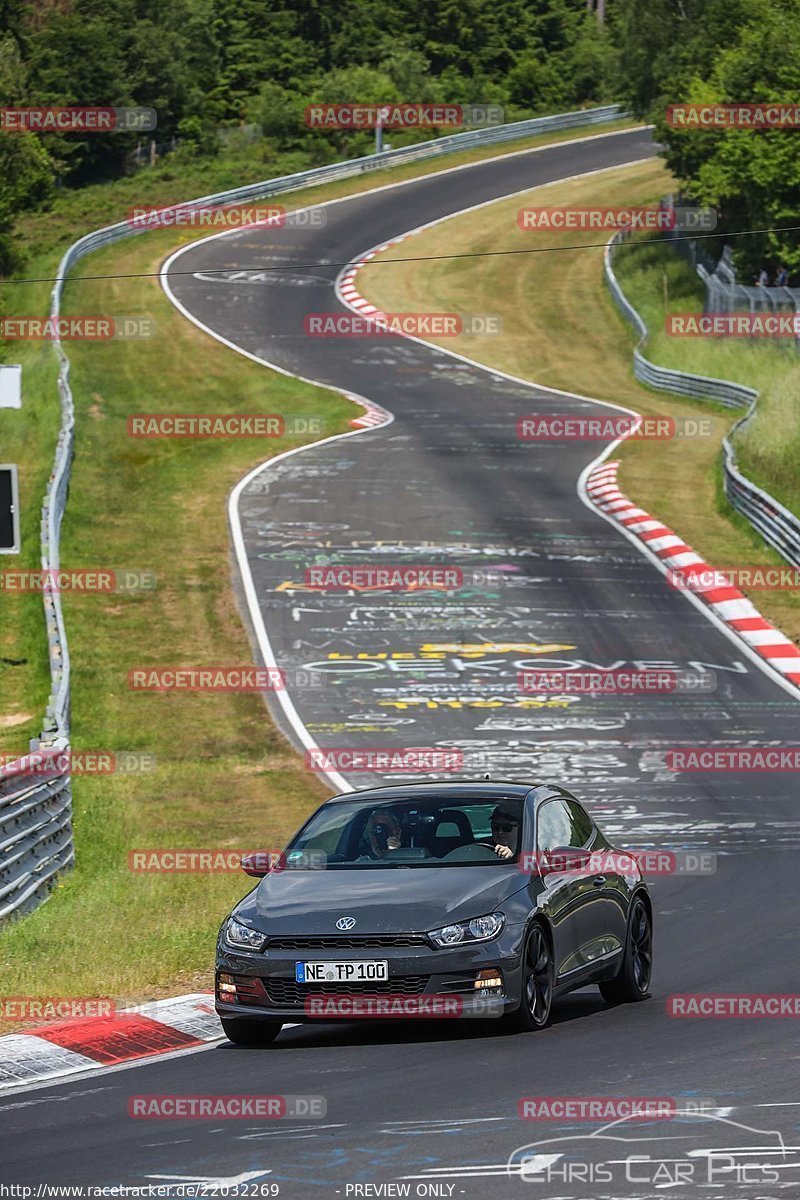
(285,993)
(344,942)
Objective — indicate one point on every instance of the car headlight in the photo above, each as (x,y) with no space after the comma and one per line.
(480,929)
(242,937)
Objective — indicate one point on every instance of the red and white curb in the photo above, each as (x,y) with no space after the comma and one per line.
(69,1047)
(346,283)
(729,604)
(374,416)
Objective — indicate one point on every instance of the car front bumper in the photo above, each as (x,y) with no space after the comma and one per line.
(423,982)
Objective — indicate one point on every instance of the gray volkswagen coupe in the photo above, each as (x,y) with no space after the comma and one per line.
(432,900)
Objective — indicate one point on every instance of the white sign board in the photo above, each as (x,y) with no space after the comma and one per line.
(10,387)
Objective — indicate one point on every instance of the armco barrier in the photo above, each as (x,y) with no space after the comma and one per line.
(35,817)
(779,527)
(35,837)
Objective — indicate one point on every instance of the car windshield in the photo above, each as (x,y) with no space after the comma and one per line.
(434,831)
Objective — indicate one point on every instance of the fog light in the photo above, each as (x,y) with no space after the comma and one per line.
(226,985)
(488,980)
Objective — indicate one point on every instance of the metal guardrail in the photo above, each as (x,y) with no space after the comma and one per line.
(779,527)
(35,816)
(35,836)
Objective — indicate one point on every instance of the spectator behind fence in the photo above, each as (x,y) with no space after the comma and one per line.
(782,277)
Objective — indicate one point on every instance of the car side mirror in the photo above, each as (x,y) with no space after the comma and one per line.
(260,863)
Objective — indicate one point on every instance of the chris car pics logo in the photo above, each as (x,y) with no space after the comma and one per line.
(685,1152)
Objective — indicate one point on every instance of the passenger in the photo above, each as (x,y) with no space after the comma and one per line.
(381,833)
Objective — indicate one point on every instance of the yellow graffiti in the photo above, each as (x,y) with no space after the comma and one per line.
(434,650)
(478,649)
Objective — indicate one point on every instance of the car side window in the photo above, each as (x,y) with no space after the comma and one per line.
(563,823)
(581,824)
(554,826)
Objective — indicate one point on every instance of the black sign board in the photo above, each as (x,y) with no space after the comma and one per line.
(9,511)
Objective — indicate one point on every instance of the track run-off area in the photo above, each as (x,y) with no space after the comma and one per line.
(547,581)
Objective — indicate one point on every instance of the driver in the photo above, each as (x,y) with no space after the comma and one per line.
(505,832)
(382,833)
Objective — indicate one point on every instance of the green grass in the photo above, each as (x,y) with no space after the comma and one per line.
(27,437)
(768,450)
(224,775)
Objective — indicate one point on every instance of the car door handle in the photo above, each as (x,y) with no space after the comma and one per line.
(599,880)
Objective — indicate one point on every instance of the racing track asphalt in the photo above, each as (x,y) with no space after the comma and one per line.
(449,482)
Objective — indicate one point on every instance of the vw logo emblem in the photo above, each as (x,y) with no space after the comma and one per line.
(345,923)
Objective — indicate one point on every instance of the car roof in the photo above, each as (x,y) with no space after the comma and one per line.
(481,789)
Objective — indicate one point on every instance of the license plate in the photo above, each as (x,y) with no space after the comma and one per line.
(341,972)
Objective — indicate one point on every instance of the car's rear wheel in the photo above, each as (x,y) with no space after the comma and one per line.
(251,1033)
(633,979)
(536,990)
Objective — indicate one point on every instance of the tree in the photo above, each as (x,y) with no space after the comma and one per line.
(26,180)
(279,114)
(664,45)
(752,177)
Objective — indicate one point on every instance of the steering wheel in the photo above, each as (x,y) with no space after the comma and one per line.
(474,852)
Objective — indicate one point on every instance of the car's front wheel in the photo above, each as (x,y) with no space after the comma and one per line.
(251,1033)
(633,979)
(538,973)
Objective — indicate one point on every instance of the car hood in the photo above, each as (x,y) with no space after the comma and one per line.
(384,900)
